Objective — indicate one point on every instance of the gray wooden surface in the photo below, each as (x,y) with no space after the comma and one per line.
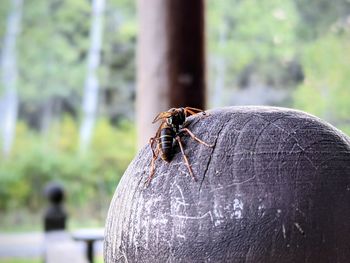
(274,188)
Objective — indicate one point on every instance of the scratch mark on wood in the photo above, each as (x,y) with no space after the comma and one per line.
(299,228)
(210,157)
(195,217)
(284,231)
(234,184)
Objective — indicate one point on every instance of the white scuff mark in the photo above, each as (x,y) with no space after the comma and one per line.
(284,231)
(145,220)
(159,221)
(182,195)
(195,217)
(218,222)
(136,228)
(217,210)
(182,236)
(123,256)
(181,203)
(147,234)
(261,210)
(299,228)
(233,184)
(278,214)
(261,207)
(237,208)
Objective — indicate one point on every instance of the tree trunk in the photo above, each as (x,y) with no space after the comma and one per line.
(9,77)
(90,96)
(171,60)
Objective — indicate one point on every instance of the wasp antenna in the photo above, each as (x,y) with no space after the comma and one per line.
(157,118)
(161,115)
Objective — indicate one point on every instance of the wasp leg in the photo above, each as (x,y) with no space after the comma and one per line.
(195,138)
(151,141)
(154,158)
(185,157)
(193,111)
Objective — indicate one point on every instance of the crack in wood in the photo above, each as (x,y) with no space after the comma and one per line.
(211,156)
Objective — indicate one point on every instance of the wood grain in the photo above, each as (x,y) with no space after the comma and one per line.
(274,188)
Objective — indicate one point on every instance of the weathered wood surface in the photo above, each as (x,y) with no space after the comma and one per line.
(275,188)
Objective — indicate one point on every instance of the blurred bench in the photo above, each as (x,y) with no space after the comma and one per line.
(61,248)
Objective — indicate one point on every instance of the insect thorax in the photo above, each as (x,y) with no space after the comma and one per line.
(176,120)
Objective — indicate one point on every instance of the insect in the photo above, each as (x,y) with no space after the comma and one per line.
(173,125)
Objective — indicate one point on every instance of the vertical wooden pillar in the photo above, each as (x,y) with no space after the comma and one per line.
(170,59)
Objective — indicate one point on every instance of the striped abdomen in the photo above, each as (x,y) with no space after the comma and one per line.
(166,139)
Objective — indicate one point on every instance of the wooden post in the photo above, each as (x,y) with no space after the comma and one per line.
(171,59)
(274,188)
(55,216)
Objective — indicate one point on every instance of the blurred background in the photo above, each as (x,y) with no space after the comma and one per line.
(68,88)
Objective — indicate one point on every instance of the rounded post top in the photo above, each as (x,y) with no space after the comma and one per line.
(275,187)
(54,192)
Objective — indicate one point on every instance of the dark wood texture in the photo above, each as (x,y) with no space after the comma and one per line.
(275,188)
(185,31)
(170,59)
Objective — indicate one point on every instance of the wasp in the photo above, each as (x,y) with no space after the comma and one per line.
(172,127)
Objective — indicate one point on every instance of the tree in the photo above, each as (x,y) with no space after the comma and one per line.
(9,76)
(52,52)
(90,96)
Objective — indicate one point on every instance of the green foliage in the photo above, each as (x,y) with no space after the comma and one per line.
(251,33)
(52,57)
(325,91)
(21,260)
(4,12)
(254,30)
(119,44)
(88,178)
(318,16)
(267,37)
(53,39)
(53,44)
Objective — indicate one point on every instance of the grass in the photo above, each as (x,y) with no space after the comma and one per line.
(20,221)
(24,221)
(21,260)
